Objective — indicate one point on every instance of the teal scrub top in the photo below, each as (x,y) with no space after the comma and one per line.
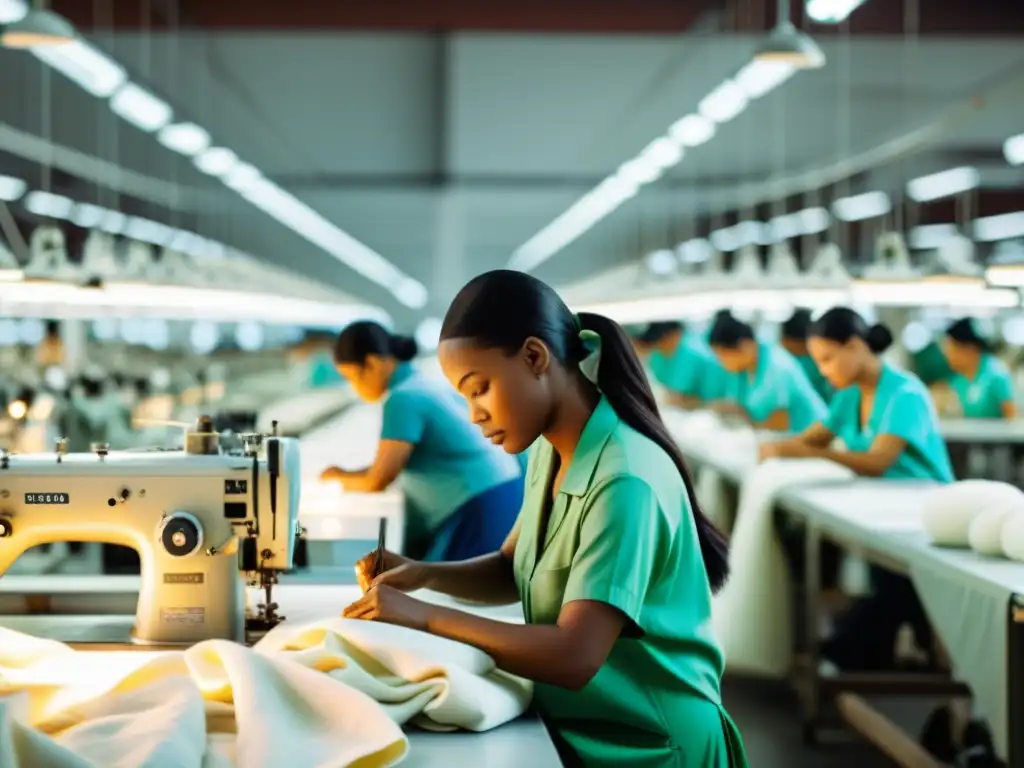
(903,408)
(451,463)
(323,372)
(656,701)
(692,370)
(983,397)
(779,383)
(819,382)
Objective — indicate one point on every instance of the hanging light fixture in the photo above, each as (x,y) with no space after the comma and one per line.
(788,45)
(39,27)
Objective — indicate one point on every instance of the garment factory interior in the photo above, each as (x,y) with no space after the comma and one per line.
(259,505)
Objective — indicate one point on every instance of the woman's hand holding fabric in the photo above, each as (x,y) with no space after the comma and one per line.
(391,606)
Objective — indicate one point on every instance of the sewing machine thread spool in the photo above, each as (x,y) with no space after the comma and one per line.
(202,440)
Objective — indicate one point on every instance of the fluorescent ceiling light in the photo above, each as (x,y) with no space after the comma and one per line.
(943,184)
(692,131)
(80,62)
(11,188)
(141,108)
(1006,275)
(184,138)
(809,221)
(923,293)
(662,153)
(147,231)
(303,220)
(740,234)
(724,103)
(661,262)
(1005,226)
(1013,150)
(694,251)
(640,171)
(930,236)
(36,29)
(859,207)
(241,176)
(759,77)
(114,222)
(12,10)
(48,204)
(122,299)
(216,161)
(88,216)
(831,11)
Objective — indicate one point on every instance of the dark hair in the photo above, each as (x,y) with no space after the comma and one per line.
(655,332)
(964,331)
(365,338)
(797,326)
(728,331)
(840,324)
(502,309)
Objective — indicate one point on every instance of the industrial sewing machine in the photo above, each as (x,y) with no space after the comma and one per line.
(204,522)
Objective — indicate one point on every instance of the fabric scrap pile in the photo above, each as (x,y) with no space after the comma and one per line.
(328,694)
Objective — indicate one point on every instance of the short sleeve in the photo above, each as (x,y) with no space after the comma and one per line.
(405,418)
(686,373)
(1002,387)
(908,416)
(606,568)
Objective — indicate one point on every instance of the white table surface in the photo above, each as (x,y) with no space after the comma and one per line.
(983,430)
(524,741)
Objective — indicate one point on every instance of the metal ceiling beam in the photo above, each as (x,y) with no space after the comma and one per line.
(874,17)
(593,16)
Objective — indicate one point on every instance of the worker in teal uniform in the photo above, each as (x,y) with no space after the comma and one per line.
(981,381)
(770,386)
(682,363)
(794,341)
(462,493)
(889,424)
(612,560)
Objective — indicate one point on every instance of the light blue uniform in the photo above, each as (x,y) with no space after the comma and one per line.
(692,370)
(451,463)
(778,383)
(983,397)
(819,382)
(902,408)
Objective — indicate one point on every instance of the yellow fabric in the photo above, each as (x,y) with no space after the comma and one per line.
(329,694)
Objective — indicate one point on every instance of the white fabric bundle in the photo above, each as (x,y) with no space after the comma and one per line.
(1012,537)
(327,694)
(753,614)
(971,513)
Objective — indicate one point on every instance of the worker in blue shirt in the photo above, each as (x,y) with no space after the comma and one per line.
(770,386)
(889,424)
(794,341)
(981,381)
(462,493)
(682,363)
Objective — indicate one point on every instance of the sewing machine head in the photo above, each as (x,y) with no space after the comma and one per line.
(204,523)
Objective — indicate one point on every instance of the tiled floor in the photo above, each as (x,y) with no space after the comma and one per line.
(767,717)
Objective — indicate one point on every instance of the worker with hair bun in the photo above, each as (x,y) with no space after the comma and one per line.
(888,423)
(982,382)
(462,494)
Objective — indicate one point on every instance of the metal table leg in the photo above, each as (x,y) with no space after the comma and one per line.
(1015,682)
(812,627)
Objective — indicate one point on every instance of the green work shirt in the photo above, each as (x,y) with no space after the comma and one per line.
(983,396)
(620,531)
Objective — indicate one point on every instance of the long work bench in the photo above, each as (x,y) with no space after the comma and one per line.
(93,609)
(975,604)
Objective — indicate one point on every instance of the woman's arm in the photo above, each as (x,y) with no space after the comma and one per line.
(686,402)
(567,654)
(815,437)
(777,421)
(1009,409)
(392,457)
(870,463)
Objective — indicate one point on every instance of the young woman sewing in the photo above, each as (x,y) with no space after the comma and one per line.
(611,557)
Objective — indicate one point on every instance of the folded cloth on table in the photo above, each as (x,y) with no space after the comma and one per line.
(321,695)
(753,614)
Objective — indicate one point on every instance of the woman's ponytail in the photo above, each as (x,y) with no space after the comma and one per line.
(623,381)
